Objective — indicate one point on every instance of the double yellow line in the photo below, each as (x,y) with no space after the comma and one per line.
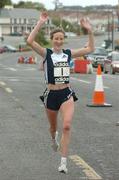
(89,171)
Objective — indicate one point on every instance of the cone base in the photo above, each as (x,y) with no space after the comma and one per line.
(117,124)
(99,105)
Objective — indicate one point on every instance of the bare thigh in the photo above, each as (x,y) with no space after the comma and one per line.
(52,117)
(67,110)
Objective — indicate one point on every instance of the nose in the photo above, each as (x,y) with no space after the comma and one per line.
(59,41)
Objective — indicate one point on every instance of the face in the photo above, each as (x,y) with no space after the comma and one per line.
(58,41)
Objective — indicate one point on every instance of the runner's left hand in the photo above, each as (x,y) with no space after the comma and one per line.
(86,24)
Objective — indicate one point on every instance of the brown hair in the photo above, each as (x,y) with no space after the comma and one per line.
(56,31)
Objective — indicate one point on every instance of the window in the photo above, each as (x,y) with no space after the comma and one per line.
(24,21)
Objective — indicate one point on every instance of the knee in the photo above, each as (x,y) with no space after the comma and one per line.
(66,127)
(52,129)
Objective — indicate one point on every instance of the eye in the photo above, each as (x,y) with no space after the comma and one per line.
(55,38)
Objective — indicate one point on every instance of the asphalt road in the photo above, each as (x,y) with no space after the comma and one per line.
(25,144)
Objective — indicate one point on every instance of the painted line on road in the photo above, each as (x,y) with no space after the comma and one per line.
(14,80)
(2,83)
(11,69)
(41,105)
(16,99)
(87,82)
(105,87)
(30,69)
(88,170)
(9,90)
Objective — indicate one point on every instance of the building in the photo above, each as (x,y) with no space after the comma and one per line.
(16,20)
(100,19)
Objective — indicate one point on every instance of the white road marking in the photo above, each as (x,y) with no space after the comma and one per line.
(41,105)
(2,83)
(84,81)
(9,90)
(14,80)
(87,82)
(105,87)
(6,88)
(30,69)
(16,99)
(11,69)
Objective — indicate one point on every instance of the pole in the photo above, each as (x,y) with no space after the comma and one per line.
(112,30)
(118,15)
(108,30)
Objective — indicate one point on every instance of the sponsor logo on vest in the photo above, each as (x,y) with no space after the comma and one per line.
(61,79)
(61,64)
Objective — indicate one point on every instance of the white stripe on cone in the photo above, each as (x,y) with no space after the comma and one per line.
(99,83)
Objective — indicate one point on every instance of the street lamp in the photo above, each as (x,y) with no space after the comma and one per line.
(113,28)
(118,15)
(108,26)
(60,6)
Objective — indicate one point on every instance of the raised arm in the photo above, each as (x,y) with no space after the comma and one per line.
(31,38)
(84,22)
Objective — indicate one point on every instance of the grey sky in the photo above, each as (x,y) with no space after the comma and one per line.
(49,3)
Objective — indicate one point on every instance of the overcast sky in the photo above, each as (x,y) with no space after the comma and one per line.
(49,3)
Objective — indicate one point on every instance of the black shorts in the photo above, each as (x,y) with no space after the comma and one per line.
(53,99)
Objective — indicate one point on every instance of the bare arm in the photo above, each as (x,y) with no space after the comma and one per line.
(31,38)
(90,45)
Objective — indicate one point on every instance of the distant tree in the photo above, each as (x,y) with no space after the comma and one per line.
(5,2)
(40,38)
(39,6)
(66,25)
(20,4)
(29,5)
(56,21)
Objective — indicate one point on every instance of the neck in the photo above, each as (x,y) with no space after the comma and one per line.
(57,51)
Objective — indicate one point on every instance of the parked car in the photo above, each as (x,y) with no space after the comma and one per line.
(70,34)
(111,63)
(1,38)
(16,34)
(2,50)
(9,48)
(106,43)
(97,57)
(24,47)
(116,48)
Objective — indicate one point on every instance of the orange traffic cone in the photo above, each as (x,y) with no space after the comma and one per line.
(98,95)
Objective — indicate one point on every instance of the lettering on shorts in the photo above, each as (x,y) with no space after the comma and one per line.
(61,79)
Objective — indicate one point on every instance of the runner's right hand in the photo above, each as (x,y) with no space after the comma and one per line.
(44,17)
